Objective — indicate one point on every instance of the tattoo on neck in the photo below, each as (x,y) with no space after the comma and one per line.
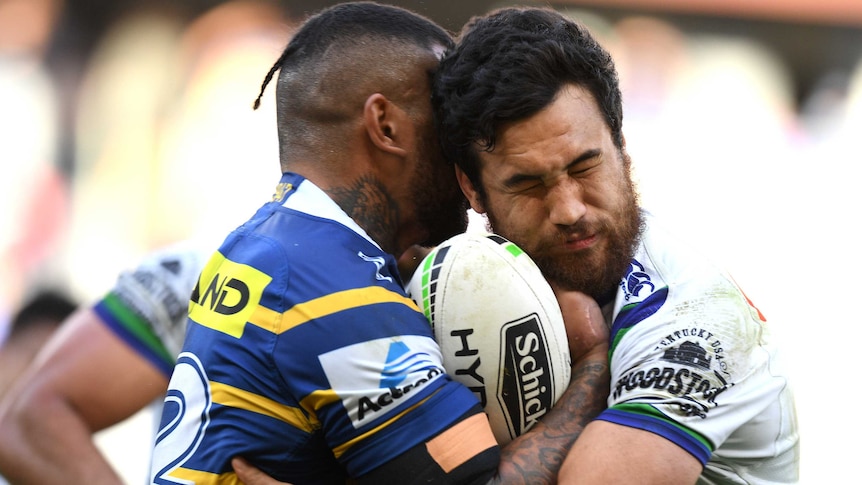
(367,201)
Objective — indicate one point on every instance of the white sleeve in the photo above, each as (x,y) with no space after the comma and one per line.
(158,290)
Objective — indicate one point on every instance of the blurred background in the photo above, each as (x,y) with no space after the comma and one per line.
(127,125)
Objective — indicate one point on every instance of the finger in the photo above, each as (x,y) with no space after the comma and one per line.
(585,325)
(246,473)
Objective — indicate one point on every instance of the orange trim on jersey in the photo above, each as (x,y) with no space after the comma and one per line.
(453,447)
(748,300)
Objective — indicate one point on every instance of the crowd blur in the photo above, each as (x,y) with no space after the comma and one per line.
(160,142)
(125,129)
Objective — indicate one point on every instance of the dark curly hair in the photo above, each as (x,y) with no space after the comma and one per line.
(509,65)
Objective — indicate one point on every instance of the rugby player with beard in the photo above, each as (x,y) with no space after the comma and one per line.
(530,111)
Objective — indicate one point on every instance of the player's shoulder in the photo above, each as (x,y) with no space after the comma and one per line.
(172,268)
(670,258)
(187,256)
(670,283)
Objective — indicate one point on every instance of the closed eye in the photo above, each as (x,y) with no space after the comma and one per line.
(588,160)
(581,165)
(522,183)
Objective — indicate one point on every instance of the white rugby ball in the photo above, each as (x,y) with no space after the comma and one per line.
(498,325)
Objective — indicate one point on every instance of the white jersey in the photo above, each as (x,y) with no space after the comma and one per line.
(148,306)
(691,360)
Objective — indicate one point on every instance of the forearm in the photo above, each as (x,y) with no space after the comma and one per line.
(536,456)
(49,444)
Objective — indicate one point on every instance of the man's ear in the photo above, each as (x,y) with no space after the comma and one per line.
(469,190)
(385,124)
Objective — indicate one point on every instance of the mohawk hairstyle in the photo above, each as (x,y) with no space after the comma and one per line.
(350,21)
(272,70)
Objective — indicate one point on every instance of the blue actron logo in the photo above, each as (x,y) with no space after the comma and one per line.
(400,362)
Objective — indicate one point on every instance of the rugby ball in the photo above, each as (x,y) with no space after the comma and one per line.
(498,325)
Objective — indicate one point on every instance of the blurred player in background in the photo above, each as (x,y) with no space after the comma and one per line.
(31,326)
(197,72)
(107,362)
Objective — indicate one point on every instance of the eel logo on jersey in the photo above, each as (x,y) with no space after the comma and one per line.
(226,295)
(379,262)
(392,373)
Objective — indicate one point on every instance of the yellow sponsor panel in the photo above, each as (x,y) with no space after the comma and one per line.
(226,295)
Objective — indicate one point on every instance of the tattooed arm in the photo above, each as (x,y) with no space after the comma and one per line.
(536,456)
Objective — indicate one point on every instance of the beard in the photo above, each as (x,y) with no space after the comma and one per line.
(443,219)
(441,206)
(598,271)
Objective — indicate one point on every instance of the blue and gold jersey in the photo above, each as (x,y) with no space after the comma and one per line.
(303,354)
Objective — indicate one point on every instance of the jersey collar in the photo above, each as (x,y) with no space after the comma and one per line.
(312,200)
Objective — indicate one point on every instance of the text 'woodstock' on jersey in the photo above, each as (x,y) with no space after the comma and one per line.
(691,360)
